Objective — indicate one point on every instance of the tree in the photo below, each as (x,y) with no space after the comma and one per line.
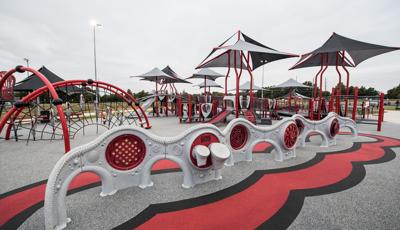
(394,93)
(140,94)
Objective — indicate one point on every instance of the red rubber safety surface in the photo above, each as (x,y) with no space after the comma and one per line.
(260,201)
(16,202)
(271,189)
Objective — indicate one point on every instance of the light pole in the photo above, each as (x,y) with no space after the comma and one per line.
(95,25)
(27,65)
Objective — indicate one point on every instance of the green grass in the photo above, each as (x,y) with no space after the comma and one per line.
(390,107)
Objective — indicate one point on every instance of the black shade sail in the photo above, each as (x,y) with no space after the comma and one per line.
(33,82)
(260,54)
(357,50)
(154,75)
(176,79)
(206,74)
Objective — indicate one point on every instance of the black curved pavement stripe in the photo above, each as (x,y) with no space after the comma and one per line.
(21,217)
(291,209)
(154,209)
(146,214)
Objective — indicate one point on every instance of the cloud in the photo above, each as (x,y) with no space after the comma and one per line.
(139,35)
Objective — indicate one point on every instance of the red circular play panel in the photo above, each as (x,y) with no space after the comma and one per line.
(203,139)
(290,135)
(334,127)
(239,136)
(125,152)
(300,125)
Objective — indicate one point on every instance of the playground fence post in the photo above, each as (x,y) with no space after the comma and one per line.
(353,115)
(381,111)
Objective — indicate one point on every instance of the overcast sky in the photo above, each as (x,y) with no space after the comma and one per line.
(140,35)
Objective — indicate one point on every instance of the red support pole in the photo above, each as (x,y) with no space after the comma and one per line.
(190,108)
(353,115)
(166,105)
(251,77)
(320,87)
(311,109)
(347,85)
(316,77)
(227,75)
(381,111)
(156,98)
(338,87)
(237,85)
(205,87)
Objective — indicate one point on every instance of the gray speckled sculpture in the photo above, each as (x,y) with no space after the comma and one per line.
(123,157)
(327,128)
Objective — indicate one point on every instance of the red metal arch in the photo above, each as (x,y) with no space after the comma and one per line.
(121,93)
(53,93)
(14,112)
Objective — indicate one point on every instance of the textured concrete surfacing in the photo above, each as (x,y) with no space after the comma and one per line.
(372,204)
(88,210)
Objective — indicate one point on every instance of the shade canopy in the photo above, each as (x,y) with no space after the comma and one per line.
(176,79)
(208,83)
(294,94)
(358,52)
(72,89)
(154,75)
(32,82)
(246,87)
(310,60)
(225,59)
(291,83)
(207,74)
(259,53)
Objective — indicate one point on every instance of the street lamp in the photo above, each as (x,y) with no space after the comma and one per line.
(95,25)
(27,65)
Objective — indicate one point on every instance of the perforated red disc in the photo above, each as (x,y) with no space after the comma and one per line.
(125,152)
(238,137)
(204,139)
(334,127)
(290,135)
(300,125)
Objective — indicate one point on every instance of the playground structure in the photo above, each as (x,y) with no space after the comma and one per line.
(123,157)
(338,51)
(161,99)
(163,104)
(61,118)
(332,53)
(245,53)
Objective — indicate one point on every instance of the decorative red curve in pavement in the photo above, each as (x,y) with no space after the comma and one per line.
(253,206)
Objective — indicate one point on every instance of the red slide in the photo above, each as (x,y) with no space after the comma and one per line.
(220,116)
(250,116)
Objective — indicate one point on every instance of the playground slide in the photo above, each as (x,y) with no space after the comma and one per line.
(250,116)
(220,117)
(147,103)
